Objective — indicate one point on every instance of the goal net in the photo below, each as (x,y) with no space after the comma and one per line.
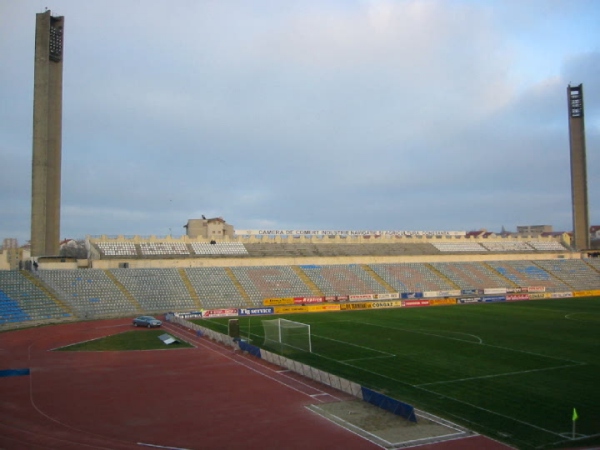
(283,334)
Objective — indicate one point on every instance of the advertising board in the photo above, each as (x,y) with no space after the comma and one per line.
(278,301)
(361,297)
(442,301)
(413,303)
(290,309)
(469,300)
(349,306)
(255,311)
(388,296)
(387,304)
(220,312)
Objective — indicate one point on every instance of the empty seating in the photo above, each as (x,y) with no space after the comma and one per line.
(547,246)
(110,248)
(90,293)
(573,272)
(22,301)
(215,288)
(411,277)
(508,246)
(273,281)
(343,280)
(459,247)
(163,248)
(527,273)
(471,275)
(156,290)
(220,248)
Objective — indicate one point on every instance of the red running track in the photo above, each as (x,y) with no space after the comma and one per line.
(208,397)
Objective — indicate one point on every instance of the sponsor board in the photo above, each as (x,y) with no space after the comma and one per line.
(303,300)
(390,304)
(536,289)
(537,295)
(188,315)
(364,305)
(469,300)
(591,293)
(360,297)
(317,308)
(497,298)
(471,292)
(516,290)
(388,296)
(517,297)
(278,301)
(494,291)
(442,301)
(342,298)
(220,312)
(255,311)
(407,295)
(412,303)
(331,298)
(561,294)
(290,309)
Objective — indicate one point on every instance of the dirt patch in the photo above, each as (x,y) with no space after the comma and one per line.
(387,429)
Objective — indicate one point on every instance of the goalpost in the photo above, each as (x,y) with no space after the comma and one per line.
(283,333)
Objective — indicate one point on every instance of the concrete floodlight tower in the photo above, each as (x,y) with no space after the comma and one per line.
(579,194)
(47,135)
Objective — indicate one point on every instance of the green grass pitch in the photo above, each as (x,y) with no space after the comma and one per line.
(513,371)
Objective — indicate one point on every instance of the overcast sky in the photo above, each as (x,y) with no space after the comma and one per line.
(314,115)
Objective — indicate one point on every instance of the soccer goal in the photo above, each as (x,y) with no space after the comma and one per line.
(285,334)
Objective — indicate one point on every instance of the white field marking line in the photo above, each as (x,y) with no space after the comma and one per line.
(354,345)
(454,399)
(161,446)
(566,435)
(471,342)
(490,411)
(443,422)
(350,427)
(520,372)
(368,358)
(448,437)
(580,312)
(466,334)
(204,344)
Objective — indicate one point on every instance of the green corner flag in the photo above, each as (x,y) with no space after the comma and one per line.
(575,416)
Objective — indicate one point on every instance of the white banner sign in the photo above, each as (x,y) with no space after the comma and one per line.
(346,233)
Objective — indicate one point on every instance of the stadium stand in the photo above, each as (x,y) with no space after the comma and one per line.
(314,249)
(163,248)
(470,275)
(270,281)
(90,293)
(156,290)
(117,248)
(509,246)
(343,280)
(459,247)
(220,248)
(527,273)
(23,301)
(215,287)
(547,246)
(573,272)
(411,277)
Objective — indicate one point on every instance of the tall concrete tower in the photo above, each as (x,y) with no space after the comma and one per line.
(47,135)
(579,194)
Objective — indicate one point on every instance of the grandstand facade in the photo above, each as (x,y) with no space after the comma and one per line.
(127,276)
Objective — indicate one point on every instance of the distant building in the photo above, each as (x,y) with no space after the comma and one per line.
(213,229)
(534,230)
(11,256)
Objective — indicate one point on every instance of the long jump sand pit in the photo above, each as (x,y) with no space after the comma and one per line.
(387,429)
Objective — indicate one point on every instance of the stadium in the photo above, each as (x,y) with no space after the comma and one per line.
(341,285)
(272,339)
